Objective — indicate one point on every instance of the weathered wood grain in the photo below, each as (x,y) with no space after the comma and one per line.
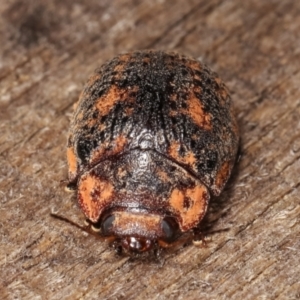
(48,50)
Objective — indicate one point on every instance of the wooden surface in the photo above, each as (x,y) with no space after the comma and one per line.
(48,50)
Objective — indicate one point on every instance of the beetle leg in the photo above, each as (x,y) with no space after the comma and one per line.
(96,229)
(70,187)
(199,238)
(91,226)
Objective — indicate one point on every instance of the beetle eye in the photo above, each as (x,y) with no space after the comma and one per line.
(169,228)
(107,225)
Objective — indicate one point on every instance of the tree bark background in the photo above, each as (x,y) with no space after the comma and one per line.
(48,50)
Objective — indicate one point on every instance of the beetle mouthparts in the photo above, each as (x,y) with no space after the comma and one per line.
(136,244)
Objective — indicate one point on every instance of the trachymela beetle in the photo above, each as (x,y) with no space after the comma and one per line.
(152,138)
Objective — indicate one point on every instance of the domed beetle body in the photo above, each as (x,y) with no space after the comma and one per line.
(152,138)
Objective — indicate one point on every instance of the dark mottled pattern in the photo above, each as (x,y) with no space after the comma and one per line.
(154,120)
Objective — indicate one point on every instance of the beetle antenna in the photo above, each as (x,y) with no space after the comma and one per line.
(61,218)
(86,229)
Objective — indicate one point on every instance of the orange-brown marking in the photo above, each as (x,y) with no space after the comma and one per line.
(196,112)
(222,175)
(117,147)
(72,161)
(190,205)
(105,103)
(163,175)
(189,158)
(119,144)
(95,194)
(193,64)
(127,223)
(125,57)
(173,151)
(119,69)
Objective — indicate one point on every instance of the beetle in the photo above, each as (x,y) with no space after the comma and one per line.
(153,137)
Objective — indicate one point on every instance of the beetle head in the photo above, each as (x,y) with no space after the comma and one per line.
(139,232)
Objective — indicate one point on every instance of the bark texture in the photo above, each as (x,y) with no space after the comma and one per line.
(48,50)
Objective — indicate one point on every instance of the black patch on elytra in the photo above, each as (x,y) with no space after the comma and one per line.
(207,162)
(83,149)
